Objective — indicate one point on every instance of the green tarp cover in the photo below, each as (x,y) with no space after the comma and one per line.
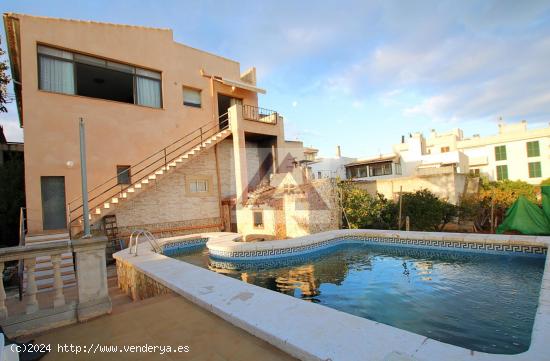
(545,190)
(528,218)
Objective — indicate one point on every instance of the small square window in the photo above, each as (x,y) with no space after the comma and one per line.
(258,219)
(474,172)
(533,149)
(123,174)
(535,170)
(445,149)
(192,97)
(198,186)
(500,152)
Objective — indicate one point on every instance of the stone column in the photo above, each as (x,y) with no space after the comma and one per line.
(239,153)
(91,274)
(59,298)
(32,301)
(3,309)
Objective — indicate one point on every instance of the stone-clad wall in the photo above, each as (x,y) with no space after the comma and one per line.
(137,285)
(168,203)
(170,229)
(312,207)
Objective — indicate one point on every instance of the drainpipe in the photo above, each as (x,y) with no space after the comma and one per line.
(85,207)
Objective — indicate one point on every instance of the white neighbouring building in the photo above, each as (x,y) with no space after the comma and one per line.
(330,167)
(442,161)
(515,153)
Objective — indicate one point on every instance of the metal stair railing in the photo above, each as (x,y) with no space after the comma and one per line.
(21,265)
(159,160)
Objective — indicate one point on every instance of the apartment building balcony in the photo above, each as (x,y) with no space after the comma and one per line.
(258,120)
(442,163)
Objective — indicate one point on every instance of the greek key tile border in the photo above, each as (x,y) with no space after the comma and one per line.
(464,246)
(173,247)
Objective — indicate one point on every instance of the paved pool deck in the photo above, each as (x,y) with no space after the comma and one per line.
(162,320)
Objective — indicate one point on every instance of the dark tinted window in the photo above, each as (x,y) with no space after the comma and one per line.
(96,82)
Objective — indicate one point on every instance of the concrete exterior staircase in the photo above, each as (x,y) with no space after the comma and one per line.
(44,268)
(141,185)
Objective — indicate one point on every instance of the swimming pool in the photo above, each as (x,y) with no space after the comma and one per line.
(480,301)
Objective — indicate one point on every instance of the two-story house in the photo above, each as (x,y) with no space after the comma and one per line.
(175,139)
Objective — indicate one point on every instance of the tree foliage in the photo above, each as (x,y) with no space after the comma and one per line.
(366,211)
(4,80)
(494,198)
(545,182)
(425,210)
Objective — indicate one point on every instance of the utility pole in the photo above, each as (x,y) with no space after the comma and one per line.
(85,207)
(400,207)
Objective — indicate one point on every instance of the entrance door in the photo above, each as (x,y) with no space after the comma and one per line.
(224,103)
(53,203)
(229,206)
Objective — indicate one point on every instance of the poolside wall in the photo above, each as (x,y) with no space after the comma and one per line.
(136,284)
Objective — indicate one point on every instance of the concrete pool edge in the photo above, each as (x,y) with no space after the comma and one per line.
(314,332)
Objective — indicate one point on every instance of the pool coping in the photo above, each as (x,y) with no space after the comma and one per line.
(314,332)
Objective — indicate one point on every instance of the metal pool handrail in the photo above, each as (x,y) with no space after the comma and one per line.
(134,240)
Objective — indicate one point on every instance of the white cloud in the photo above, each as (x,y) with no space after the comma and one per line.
(294,104)
(460,76)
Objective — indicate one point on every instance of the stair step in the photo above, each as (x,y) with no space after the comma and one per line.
(144,181)
(50,276)
(46,237)
(152,177)
(66,283)
(45,259)
(160,172)
(137,186)
(114,200)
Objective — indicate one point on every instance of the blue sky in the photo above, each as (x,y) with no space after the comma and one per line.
(359,73)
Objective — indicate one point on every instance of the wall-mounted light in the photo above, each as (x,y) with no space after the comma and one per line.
(69,164)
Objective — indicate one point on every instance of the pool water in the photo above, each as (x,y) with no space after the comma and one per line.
(481,302)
